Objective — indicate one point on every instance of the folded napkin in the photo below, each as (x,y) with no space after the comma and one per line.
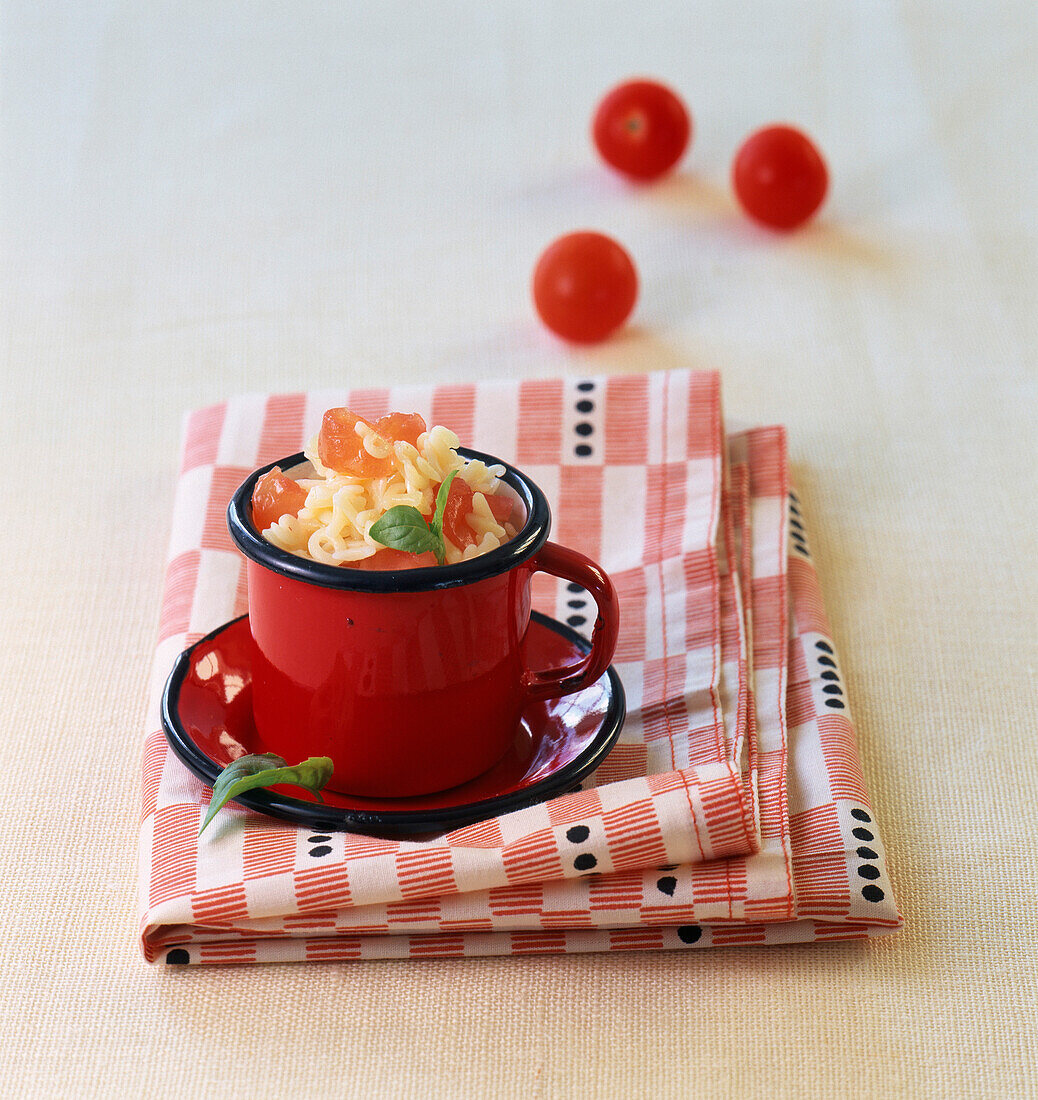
(732,808)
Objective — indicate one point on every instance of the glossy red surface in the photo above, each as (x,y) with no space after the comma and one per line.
(214,706)
(408,692)
(543,683)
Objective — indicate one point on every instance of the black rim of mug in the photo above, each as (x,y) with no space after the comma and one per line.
(526,543)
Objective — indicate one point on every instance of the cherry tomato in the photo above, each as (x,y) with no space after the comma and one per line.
(274,496)
(641,129)
(779,177)
(584,286)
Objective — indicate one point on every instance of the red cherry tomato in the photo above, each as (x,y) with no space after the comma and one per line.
(641,129)
(779,177)
(584,286)
(274,496)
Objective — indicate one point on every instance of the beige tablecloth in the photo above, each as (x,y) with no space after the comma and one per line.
(200,200)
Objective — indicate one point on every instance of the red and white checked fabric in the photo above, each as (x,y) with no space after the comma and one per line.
(731,810)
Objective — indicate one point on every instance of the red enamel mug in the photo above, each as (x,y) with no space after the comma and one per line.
(411,680)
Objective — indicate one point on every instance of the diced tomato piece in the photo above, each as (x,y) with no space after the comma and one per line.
(275,496)
(342,450)
(455,514)
(459,507)
(501,506)
(404,426)
(388,558)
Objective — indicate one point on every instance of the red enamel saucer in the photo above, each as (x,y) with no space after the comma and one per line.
(207,718)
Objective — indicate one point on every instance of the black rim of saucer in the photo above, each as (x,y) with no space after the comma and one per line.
(396,823)
(526,543)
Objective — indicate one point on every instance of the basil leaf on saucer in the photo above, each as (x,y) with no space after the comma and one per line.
(405,528)
(266,770)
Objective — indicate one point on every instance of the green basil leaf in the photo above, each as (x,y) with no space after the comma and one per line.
(266,770)
(405,528)
(444,491)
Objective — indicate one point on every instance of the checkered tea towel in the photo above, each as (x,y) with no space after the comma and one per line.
(732,808)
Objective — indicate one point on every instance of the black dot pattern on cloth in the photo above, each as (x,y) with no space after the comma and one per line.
(690,933)
(177,957)
(584,428)
(868,870)
(322,848)
(832,688)
(667,885)
(577,834)
(797,538)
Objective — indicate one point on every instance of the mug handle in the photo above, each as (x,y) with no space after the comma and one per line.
(571,566)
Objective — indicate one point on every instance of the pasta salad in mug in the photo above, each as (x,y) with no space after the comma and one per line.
(385,494)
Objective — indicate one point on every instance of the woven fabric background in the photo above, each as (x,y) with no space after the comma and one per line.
(203,200)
